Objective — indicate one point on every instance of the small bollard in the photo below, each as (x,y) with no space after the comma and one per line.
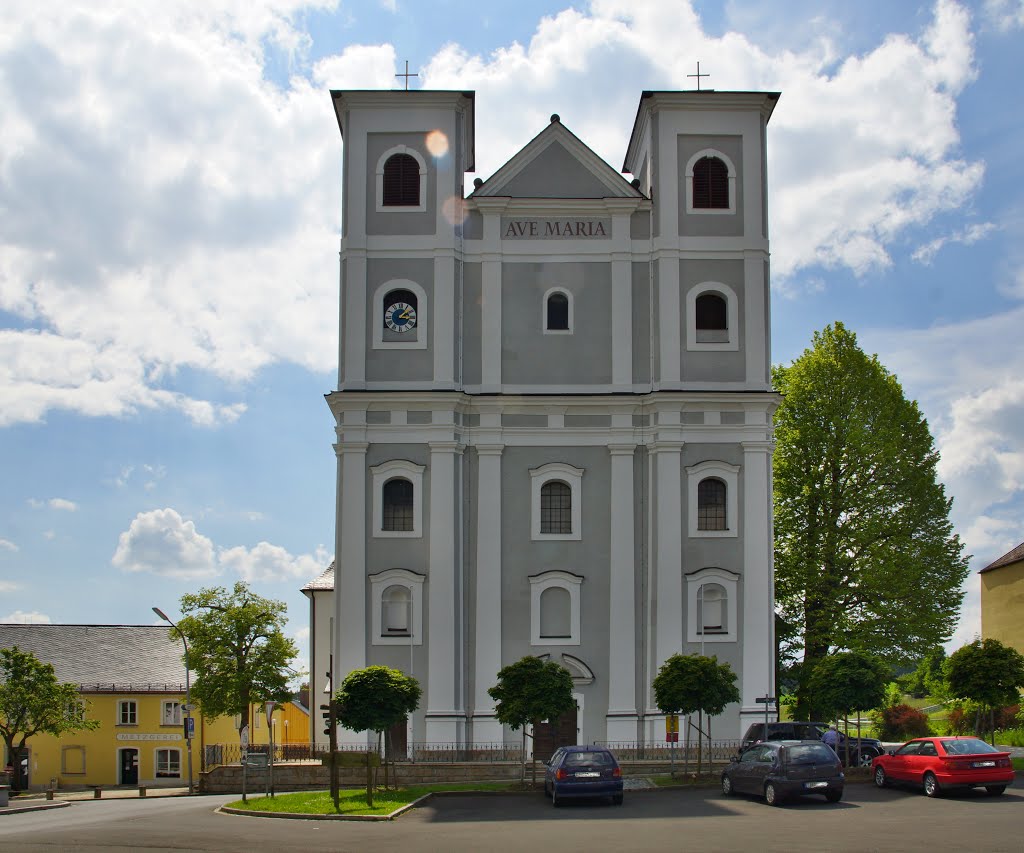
(97,792)
(49,793)
(142,791)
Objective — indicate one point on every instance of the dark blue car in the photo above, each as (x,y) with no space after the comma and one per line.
(582,771)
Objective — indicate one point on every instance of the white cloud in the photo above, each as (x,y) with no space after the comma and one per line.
(7,545)
(161,542)
(33,617)
(971,234)
(166,209)
(9,586)
(302,635)
(266,562)
(1006,15)
(62,504)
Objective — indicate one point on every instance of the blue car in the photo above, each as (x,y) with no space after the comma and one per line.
(582,771)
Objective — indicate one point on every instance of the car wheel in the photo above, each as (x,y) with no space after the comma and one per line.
(994,790)
(554,799)
(547,793)
(834,796)
(931,785)
(726,785)
(864,760)
(617,800)
(880,778)
(771,795)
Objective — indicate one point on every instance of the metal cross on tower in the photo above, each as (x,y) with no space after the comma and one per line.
(407,75)
(698,75)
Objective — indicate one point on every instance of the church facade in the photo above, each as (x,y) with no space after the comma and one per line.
(554,409)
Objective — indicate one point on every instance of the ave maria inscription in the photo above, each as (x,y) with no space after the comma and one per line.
(555,229)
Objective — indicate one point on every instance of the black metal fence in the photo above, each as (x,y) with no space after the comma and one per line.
(456,753)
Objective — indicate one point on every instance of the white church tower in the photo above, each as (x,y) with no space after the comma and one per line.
(553,410)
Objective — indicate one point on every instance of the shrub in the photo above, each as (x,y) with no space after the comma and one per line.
(900,722)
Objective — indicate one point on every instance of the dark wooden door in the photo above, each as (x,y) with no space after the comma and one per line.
(129,767)
(399,740)
(551,734)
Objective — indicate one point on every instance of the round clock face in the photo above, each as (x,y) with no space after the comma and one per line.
(400,317)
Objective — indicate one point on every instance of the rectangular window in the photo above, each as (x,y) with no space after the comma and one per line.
(127,713)
(168,764)
(171,714)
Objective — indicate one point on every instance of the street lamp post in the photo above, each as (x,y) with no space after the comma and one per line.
(188,696)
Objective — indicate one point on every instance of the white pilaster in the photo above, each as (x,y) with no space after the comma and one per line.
(622,717)
(486,729)
(490,296)
(442,715)
(670,321)
(758,677)
(350,570)
(622,292)
(668,556)
(354,319)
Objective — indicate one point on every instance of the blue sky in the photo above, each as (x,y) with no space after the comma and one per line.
(169,217)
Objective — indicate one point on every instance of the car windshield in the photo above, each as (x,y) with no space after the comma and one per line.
(810,753)
(967,746)
(578,759)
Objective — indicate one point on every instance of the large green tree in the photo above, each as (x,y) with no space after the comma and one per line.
(866,557)
(33,701)
(531,690)
(236,648)
(987,672)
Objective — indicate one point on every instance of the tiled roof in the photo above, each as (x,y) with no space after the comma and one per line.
(324,581)
(95,656)
(1013,556)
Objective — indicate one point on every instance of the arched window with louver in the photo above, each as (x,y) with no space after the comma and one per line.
(710,184)
(401,181)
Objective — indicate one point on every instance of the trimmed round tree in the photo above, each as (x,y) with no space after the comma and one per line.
(848,681)
(989,673)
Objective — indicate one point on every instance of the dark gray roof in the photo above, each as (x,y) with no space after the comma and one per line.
(104,657)
(1014,556)
(324,581)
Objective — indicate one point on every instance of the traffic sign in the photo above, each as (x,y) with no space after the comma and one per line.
(766,700)
(671,728)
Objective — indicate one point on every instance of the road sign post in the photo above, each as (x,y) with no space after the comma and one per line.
(766,701)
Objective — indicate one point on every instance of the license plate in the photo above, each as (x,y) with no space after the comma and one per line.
(587,775)
(983,764)
(815,784)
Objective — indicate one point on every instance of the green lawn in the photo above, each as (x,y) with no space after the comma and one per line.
(1018,764)
(354,801)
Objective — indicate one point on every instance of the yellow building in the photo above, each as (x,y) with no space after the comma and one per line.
(132,681)
(1002,599)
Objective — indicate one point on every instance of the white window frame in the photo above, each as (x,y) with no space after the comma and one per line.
(728,474)
(544,311)
(420,332)
(573,478)
(408,208)
(175,707)
(732,343)
(710,152)
(396,577)
(122,705)
(571,583)
(387,471)
(694,624)
(156,762)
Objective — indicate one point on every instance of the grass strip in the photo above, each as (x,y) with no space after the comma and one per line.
(353,801)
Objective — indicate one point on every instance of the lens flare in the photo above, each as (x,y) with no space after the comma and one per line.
(437,143)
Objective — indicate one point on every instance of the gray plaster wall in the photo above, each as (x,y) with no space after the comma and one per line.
(589,557)
(655,175)
(555,173)
(642,335)
(472,298)
(640,226)
(406,365)
(703,224)
(530,357)
(715,365)
(406,222)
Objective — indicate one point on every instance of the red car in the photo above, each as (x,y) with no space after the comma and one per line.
(939,763)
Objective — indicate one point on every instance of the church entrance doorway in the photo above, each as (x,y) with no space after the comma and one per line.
(551,734)
(129,766)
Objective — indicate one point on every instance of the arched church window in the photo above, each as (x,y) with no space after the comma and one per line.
(712,313)
(397,498)
(555,507)
(396,611)
(555,613)
(558,312)
(710,184)
(401,181)
(711,504)
(712,608)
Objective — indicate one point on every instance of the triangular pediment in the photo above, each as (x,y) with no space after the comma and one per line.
(556,164)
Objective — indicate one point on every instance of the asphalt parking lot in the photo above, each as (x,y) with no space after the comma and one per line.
(681,819)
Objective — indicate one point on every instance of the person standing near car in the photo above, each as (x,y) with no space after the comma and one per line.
(831,739)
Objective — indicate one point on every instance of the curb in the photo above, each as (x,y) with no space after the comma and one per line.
(306,816)
(36,807)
